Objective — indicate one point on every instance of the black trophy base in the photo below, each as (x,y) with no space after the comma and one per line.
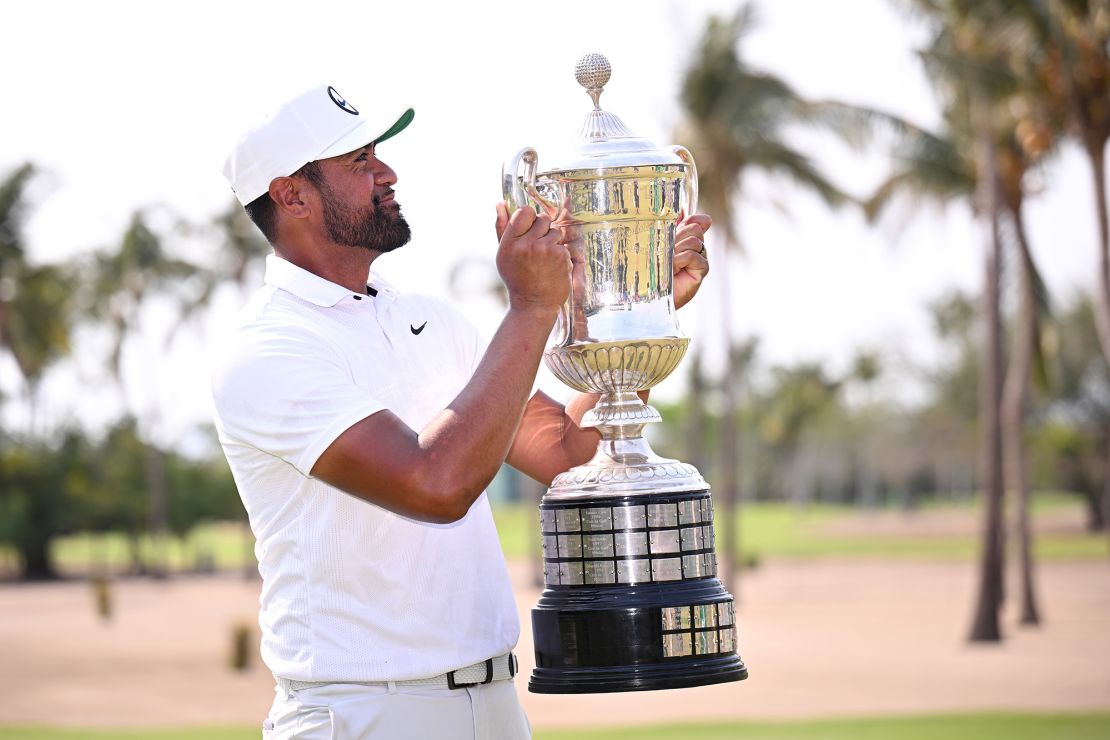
(633,602)
(683,674)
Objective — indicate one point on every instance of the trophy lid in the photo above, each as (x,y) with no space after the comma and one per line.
(603,141)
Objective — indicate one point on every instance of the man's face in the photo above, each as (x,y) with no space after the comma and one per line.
(358,205)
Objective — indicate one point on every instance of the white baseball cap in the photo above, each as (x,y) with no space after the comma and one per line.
(317,124)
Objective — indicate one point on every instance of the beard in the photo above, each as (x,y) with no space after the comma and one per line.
(379,228)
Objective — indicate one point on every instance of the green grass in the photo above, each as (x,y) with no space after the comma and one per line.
(784,531)
(224,542)
(767,530)
(949,727)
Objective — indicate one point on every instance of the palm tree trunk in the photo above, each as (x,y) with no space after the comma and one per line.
(1096,156)
(985,627)
(1014,396)
(154,465)
(1102,315)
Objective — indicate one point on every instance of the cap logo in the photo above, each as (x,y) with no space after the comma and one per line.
(338,100)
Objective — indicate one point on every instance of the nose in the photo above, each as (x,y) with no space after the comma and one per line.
(384,174)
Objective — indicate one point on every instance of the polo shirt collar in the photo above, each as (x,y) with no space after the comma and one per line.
(283,274)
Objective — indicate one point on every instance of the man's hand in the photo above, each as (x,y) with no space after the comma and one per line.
(691,264)
(531,259)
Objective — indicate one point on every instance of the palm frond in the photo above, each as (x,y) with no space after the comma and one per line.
(13,212)
(777,157)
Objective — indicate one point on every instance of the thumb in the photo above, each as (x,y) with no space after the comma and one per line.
(520,222)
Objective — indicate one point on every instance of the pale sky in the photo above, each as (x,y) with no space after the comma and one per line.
(128,104)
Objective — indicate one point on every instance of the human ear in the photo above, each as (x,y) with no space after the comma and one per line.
(290,197)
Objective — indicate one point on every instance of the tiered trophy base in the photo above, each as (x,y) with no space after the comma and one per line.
(633,602)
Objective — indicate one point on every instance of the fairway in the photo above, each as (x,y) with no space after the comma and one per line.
(938,532)
(950,727)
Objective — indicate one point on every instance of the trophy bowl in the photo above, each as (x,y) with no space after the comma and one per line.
(632,600)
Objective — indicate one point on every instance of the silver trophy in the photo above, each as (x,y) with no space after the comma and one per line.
(632,599)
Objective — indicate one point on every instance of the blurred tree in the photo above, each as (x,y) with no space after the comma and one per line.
(697,419)
(1071,449)
(201,491)
(796,397)
(38,479)
(14,206)
(240,252)
(123,280)
(36,304)
(962,59)
(736,122)
(1077,67)
(949,419)
(865,371)
(1069,54)
(118,500)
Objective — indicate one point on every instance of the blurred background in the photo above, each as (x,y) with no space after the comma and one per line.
(898,383)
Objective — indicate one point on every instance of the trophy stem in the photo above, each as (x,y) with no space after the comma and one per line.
(616,410)
(624,462)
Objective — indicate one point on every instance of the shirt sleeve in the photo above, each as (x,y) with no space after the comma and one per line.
(287,395)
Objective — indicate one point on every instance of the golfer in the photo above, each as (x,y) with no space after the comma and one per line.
(362,426)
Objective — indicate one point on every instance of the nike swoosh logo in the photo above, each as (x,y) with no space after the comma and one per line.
(415,330)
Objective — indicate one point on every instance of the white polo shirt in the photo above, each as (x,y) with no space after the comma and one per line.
(352,592)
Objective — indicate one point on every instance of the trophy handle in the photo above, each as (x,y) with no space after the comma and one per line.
(691,178)
(520,190)
(511,188)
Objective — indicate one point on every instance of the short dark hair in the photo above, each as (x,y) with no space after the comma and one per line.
(262,210)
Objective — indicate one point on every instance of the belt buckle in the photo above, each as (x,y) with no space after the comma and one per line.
(451,684)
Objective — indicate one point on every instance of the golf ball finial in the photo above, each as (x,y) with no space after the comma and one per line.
(592,72)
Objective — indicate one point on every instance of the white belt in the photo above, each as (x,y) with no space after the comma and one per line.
(501,668)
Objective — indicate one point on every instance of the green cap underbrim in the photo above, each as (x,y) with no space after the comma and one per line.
(402,123)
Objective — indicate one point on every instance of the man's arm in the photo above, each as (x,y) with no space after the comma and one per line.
(436,473)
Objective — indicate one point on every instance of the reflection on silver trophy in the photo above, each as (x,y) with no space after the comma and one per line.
(632,598)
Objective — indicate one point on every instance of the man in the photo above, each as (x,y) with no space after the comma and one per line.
(363,425)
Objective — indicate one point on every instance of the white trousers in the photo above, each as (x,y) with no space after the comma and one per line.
(340,711)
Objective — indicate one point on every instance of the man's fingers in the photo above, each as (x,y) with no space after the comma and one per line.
(691,228)
(690,243)
(691,261)
(700,220)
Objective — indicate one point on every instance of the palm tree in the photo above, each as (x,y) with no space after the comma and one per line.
(796,397)
(736,121)
(36,308)
(35,320)
(123,279)
(960,165)
(867,367)
(1076,63)
(998,127)
(37,327)
(1073,63)
(241,249)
